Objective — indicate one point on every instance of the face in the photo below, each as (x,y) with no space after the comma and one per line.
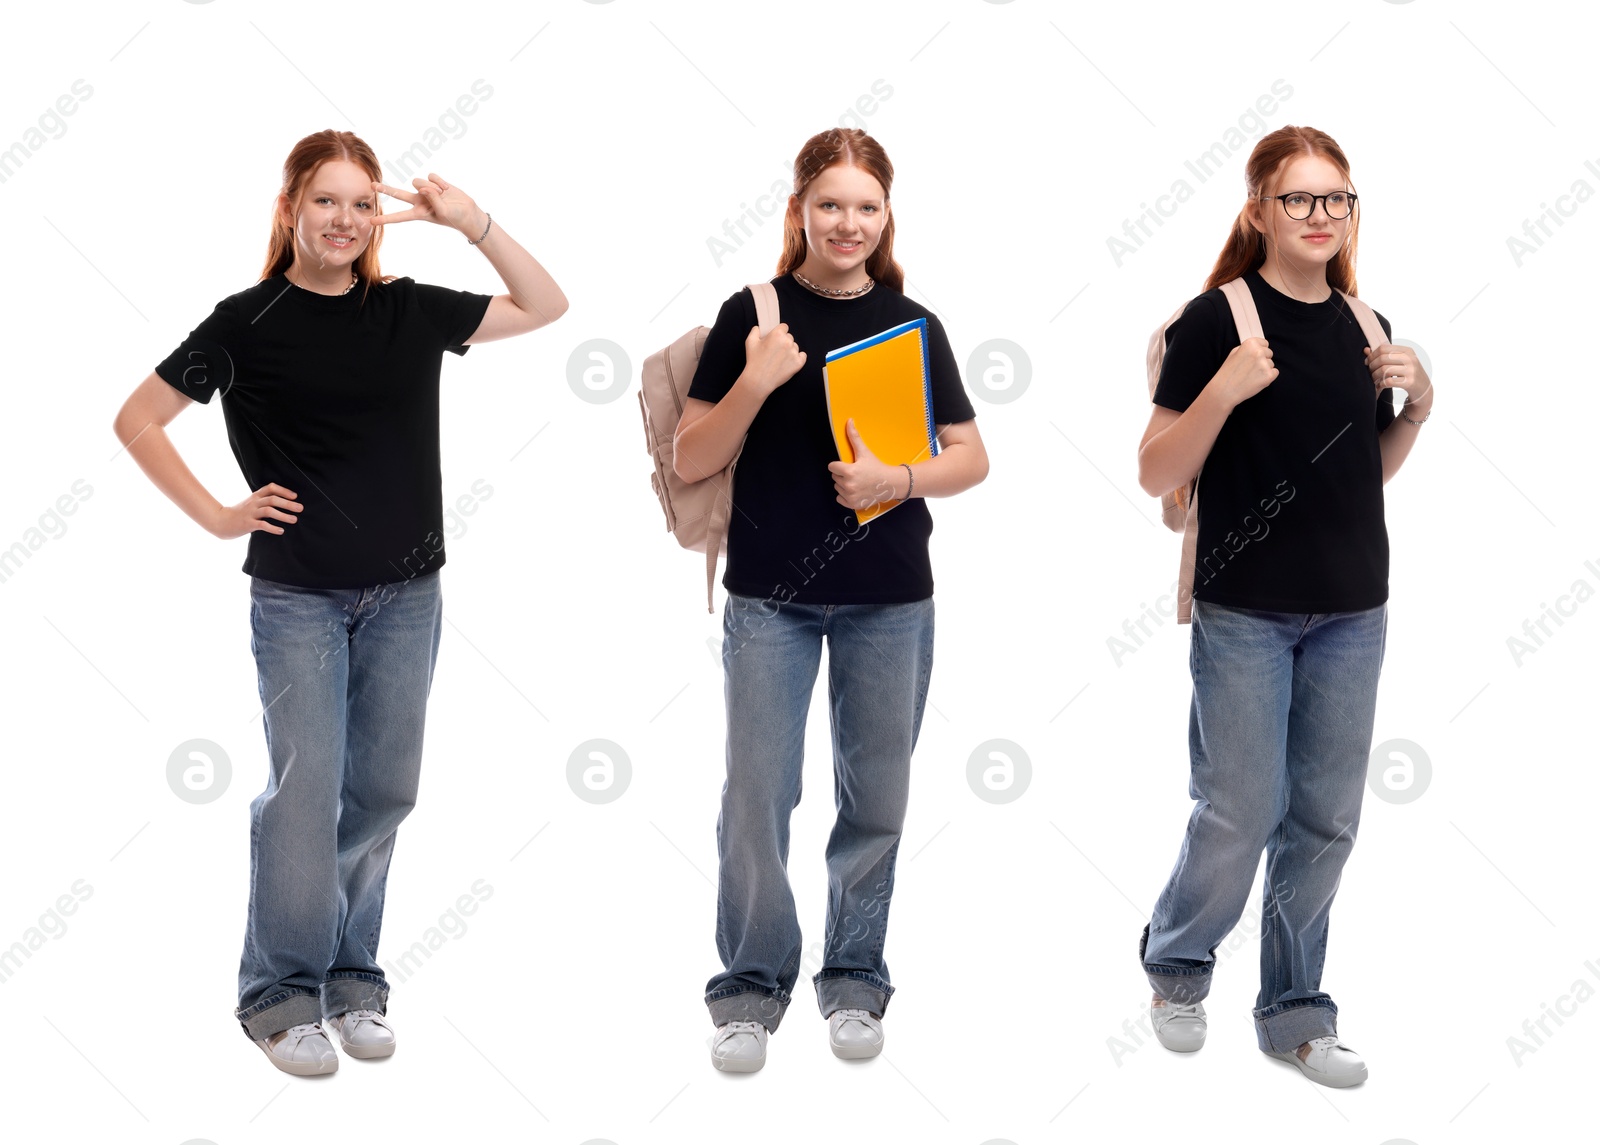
(334,222)
(843,211)
(1309,241)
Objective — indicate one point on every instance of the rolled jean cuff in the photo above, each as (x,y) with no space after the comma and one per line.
(1286,1027)
(748,1004)
(851,990)
(1180,985)
(278,1012)
(346,990)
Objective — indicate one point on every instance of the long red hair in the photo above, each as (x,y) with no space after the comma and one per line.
(304,159)
(848,147)
(1246,248)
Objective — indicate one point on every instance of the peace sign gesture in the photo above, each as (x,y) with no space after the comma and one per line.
(436,201)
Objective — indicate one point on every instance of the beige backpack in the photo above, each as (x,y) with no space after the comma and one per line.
(1180,509)
(697,513)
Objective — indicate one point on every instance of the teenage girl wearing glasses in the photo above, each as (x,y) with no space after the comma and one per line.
(1297,434)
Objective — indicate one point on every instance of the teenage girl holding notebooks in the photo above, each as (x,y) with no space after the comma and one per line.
(801,571)
(1297,434)
(329,378)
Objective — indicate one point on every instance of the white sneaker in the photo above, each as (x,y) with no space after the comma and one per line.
(1330,1062)
(739,1047)
(303,1050)
(854,1034)
(364,1033)
(1181,1029)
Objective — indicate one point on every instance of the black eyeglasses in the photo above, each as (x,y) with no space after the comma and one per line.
(1299,204)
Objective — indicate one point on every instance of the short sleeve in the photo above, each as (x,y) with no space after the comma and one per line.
(722,356)
(1386,413)
(950,401)
(203,363)
(456,314)
(1196,347)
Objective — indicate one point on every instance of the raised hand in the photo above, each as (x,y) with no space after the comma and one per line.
(435,201)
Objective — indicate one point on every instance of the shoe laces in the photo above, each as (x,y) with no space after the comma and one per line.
(731,1028)
(1180,1010)
(851,1015)
(1327,1044)
(361,1016)
(290,1039)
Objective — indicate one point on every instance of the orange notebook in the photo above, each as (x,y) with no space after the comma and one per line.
(883,383)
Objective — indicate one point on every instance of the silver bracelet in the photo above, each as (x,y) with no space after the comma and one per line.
(911,481)
(1413,420)
(488,220)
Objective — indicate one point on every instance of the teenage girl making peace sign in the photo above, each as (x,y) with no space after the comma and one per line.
(801,571)
(1297,432)
(329,376)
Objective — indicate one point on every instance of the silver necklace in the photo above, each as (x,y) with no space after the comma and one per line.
(813,287)
(353,280)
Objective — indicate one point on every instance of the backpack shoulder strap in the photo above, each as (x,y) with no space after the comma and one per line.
(1370,326)
(1247,320)
(766,296)
(1245,316)
(717,530)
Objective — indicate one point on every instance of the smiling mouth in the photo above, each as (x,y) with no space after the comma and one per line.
(340,241)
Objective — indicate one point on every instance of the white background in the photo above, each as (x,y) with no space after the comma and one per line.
(618,139)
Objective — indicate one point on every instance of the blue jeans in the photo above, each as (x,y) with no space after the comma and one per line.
(344,677)
(879,660)
(1280,728)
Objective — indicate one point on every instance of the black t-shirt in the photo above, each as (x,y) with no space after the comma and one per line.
(789,538)
(1291,494)
(338,399)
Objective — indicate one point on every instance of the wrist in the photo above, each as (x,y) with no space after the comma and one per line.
(754,384)
(476,230)
(1220,397)
(1415,412)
